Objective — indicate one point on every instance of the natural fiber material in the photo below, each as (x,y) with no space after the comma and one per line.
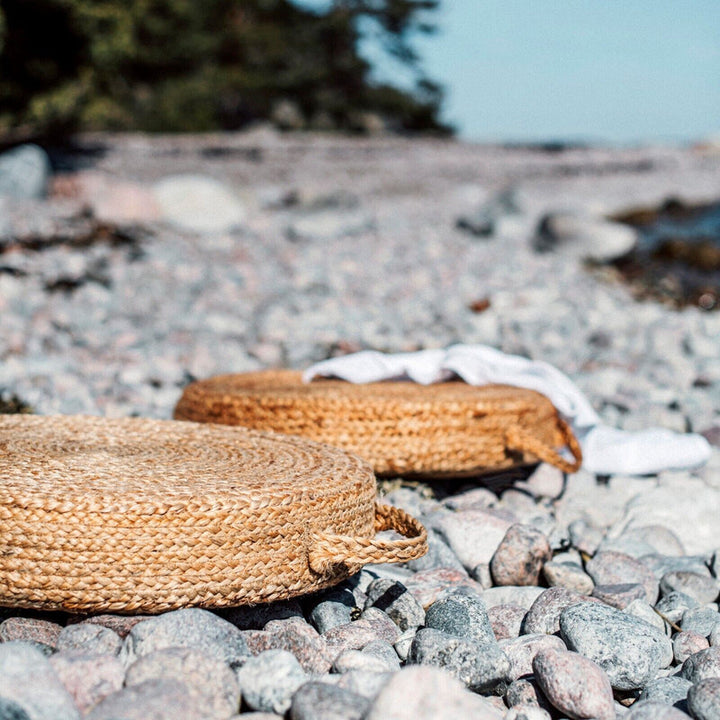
(449,428)
(150,515)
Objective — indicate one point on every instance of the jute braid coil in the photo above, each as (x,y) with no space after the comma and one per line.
(136,515)
(445,429)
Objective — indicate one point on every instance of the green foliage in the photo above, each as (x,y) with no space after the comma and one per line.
(190,65)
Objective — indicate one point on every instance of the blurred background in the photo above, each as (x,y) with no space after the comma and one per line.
(499,71)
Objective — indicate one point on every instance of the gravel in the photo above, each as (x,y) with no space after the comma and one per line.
(113,311)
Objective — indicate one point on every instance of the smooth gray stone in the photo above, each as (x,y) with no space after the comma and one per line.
(439,554)
(671,690)
(663,564)
(699,586)
(673,606)
(704,699)
(700,620)
(362,682)
(320,701)
(333,612)
(394,599)
(629,650)
(24,172)
(650,710)
(269,680)
(462,615)
(211,679)
(482,668)
(29,683)
(189,627)
(156,699)
(702,665)
(89,639)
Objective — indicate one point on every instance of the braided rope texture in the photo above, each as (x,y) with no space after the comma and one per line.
(401,428)
(139,515)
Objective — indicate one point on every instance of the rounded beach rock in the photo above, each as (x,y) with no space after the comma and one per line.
(574,685)
(704,699)
(629,650)
(520,556)
(427,693)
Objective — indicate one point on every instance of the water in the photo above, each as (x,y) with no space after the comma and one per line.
(677,259)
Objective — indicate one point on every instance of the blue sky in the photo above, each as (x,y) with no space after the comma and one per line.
(619,71)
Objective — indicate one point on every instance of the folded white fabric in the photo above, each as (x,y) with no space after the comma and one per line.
(606,450)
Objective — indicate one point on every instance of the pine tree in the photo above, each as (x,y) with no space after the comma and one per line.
(184,65)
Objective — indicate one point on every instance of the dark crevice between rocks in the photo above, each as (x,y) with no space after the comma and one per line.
(677,258)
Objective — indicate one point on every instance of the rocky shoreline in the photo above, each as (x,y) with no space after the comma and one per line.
(120,288)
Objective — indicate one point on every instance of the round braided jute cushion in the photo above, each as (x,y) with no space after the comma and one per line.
(150,515)
(449,428)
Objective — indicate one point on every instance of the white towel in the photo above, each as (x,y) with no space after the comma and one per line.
(606,450)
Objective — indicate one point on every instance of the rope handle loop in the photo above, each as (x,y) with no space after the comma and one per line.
(331,550)
(519,439)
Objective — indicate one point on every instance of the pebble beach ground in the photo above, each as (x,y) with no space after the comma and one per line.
(542,596)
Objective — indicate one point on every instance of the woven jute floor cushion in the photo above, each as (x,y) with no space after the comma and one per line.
(445,429)
(150,515)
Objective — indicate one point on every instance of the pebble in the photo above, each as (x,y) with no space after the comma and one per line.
(528,712)
(269,680)
(439,555)
(156,699)
(584,237)
(629,650)
(526,691)
(701,620)
(429,693)
(674,605)
(521,595)
(87,639)
(506,620)
(29,684)
(642,610)
(320,701)
(687,643)
(654,711)
(573,684)
(88,678)
(461,615)
(473,535)
(700,587)
(376,656)
(295,636)
(329,225)
(621,595)
(362,682)
(522,650)
(331,613)
(481,667)
(211,679)
(520,556)
(198,204)
(24,172)
(120,624)
(429,585)
(613,568)
(394,599)
(568,575)
(189,627)
(373,624)
(661,565)
(670,690)
(30,629)
(704,699)
(703,664)
(544,614)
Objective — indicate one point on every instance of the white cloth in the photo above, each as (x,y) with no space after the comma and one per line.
(606,450)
